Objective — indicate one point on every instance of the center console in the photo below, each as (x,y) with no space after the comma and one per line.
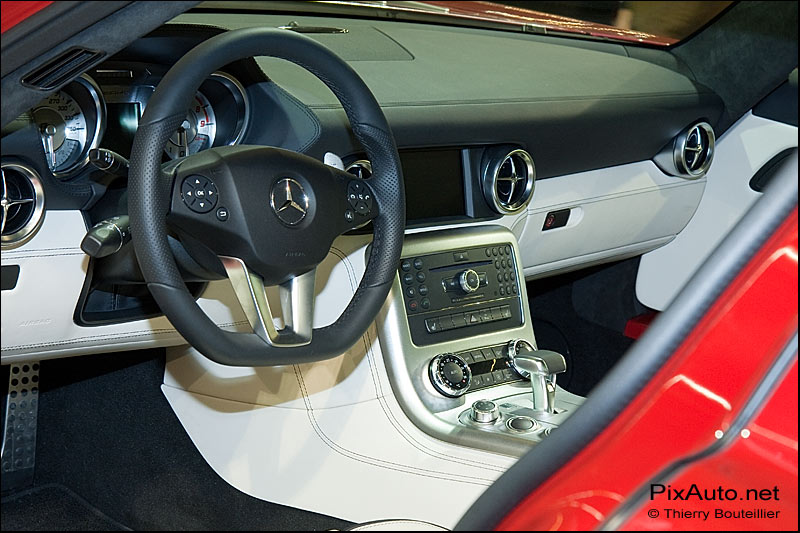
(459,346)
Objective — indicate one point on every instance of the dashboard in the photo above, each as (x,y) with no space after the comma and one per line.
(475,150)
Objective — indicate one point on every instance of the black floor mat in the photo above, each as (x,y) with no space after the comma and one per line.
(590,347)
(53,508)
(107,433)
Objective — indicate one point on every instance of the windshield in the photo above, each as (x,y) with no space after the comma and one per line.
(643,22)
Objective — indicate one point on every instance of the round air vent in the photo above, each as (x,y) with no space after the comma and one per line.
(690,154)
(508,179)
(361,169)
(22,202)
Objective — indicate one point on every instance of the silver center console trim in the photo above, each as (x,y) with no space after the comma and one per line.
(407,363)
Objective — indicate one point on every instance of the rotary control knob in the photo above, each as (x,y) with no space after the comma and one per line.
(469,281)
(450,374)
(484,412)
(514,347)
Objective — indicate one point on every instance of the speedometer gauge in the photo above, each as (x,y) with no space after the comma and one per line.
(197,132)
(69,123)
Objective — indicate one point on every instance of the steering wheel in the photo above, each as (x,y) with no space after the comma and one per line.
(268,215)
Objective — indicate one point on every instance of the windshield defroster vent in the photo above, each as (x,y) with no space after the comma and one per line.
(508,179)
(22,203)
(690,154)
(62,68)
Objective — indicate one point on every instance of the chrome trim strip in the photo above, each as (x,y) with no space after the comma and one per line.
(251,293)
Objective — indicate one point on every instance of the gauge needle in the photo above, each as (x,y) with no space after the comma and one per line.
(183,138)
(48,132)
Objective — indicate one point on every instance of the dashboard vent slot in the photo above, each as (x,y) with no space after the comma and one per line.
(690,154)
(508,179)
(361,169)
(62,68)
(22,203)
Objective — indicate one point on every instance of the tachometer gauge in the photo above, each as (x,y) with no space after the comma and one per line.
(220,96)
(197,131)
(70,123)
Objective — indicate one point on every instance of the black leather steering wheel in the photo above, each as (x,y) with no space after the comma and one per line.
(284,209)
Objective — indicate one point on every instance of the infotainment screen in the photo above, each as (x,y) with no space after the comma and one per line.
(434,181)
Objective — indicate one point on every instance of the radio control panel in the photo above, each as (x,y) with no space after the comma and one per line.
(445,293)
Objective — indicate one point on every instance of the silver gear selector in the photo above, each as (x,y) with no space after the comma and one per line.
(542,366)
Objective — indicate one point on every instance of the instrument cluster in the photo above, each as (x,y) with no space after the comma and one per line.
(102,109)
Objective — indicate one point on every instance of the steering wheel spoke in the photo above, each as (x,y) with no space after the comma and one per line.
(297,304)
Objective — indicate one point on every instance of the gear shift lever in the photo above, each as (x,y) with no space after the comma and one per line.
(543,365)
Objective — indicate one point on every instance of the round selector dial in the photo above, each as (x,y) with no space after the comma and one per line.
(450,374)
(484,412)
(469,281)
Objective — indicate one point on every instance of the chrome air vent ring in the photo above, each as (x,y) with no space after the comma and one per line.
(22,203)
(690,154)
(694,150)
(508,180)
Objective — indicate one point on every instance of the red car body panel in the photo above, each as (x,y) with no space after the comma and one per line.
(15,12)
(700,390)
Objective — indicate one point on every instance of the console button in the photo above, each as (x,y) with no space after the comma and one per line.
(459,321)
(498,376)
(460,256)
(488,252)
(488,379)
(433,325)
(477,381)
(420,276)
(486,315)
(425,303)
(423,290)
(487,353)
(452,372)
(497,313)
(411,292)
(508,250)
(473,317)
(418,263)
(514,288)
(478,356)
(446,322)
(521,423)
(408,278)
(499,352)
(467,357)
(494,252)
(508,374)
(502,250)
(405,265)
(413,306)
(506,310)
(502,290)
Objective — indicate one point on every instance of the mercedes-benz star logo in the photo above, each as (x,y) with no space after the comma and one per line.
(289,201)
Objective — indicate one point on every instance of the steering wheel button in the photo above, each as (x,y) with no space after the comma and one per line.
(362,208)
(222,214)
(349,216)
